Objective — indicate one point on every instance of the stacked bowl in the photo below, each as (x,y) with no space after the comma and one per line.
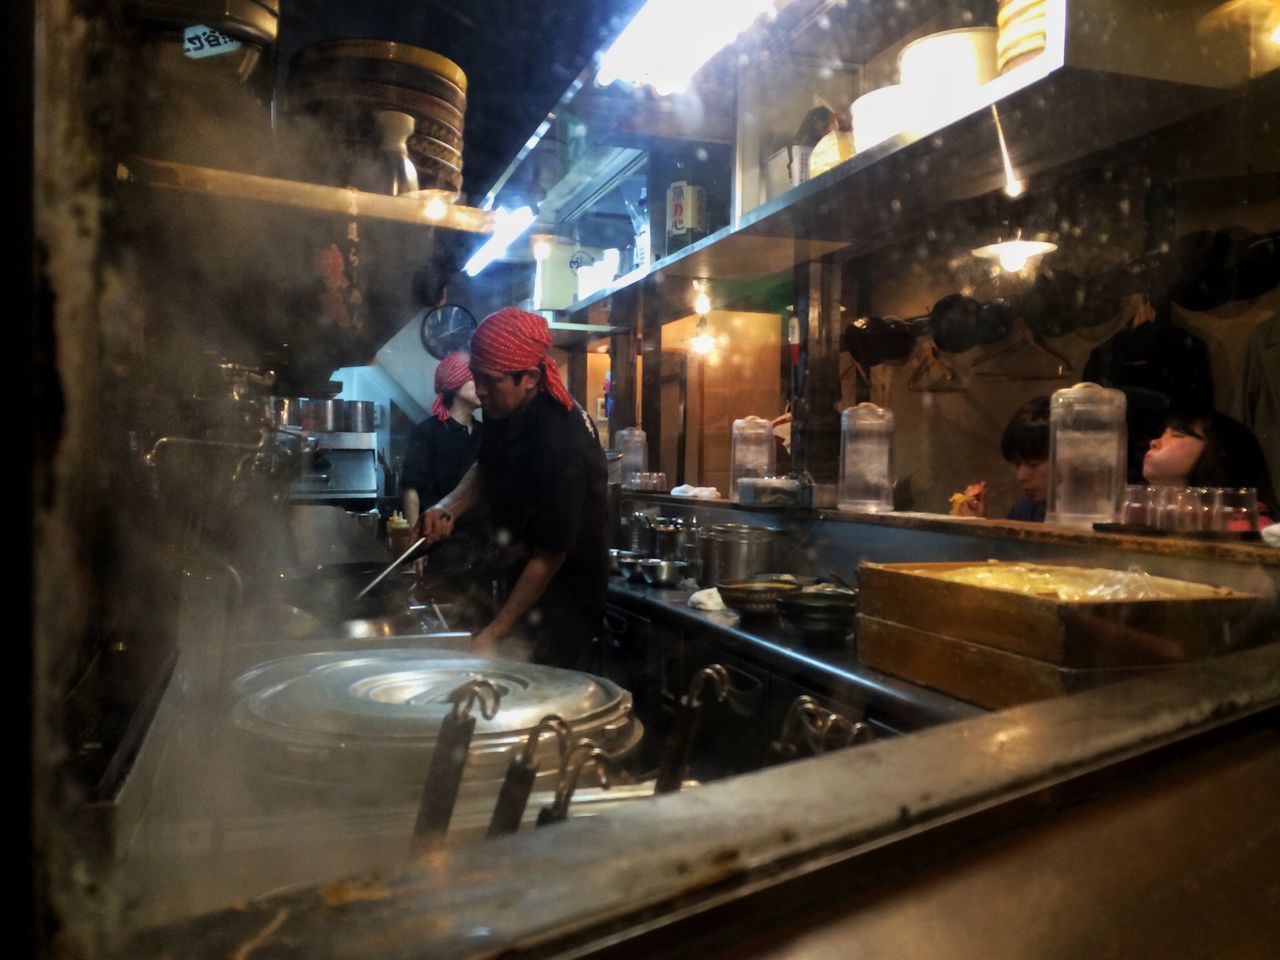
(346,84)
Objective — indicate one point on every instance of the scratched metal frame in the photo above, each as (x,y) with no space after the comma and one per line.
(868,815)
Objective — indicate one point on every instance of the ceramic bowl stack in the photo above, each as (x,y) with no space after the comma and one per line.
(345,84)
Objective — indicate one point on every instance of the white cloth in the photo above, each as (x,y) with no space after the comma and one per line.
(702,493)
(708,599)
(1271,535)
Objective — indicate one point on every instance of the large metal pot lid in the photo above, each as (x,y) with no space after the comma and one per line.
(402,696)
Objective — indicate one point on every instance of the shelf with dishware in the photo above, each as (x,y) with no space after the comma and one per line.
(1082,95)
(429,208)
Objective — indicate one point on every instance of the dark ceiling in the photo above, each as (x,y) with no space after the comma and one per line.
(519,56)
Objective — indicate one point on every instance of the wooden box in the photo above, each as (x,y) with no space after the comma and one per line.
(1080,635)
(987,676)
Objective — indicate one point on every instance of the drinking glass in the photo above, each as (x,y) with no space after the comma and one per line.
(1239,509)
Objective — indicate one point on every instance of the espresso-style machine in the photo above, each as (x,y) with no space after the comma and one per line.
(343,469)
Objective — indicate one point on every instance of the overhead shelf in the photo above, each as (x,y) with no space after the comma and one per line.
(430,208)
(1050,115)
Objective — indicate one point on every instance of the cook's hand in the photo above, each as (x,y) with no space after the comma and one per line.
(434,524)
(485,643)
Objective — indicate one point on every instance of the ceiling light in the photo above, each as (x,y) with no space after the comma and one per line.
(508,225)
(668,41)
(1014,255)
(701,304)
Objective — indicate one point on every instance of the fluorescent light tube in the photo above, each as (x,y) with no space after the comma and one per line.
(670,40)
(507,228)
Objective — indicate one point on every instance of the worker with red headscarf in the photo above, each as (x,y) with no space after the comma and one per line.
(541,473)
(441,450)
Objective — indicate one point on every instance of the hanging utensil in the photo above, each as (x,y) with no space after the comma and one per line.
(786,747)
(584,753)
(393,565)
(680,741)
(513,796)
(448,760)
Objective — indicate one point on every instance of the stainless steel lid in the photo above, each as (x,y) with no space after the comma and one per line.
(373,717)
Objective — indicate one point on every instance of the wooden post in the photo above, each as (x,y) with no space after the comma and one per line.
(622,352)
(652,314)
(578,375)
(815,427)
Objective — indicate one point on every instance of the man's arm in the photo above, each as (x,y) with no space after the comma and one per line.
(410,504)
(529,588)
(436,521)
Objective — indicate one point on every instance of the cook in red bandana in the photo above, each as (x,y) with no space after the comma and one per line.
(451,373)
(540,472)
(512,340)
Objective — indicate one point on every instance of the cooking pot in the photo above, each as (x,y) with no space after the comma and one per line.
(359,416)
(819,618)
(326,416)
(674,539)
(366,722)
(735,551)
(328,592)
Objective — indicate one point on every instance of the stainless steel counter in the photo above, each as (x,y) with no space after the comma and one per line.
(766,641)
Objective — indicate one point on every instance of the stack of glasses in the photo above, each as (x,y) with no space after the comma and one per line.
(1190,510)
(640,480)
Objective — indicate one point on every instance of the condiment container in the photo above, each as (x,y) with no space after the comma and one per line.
(398,534)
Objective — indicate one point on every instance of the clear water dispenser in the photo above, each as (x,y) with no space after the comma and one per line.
(1087,443)
(634,446)
(866,459)
(752,452)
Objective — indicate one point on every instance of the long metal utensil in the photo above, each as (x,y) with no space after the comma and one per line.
(394,563)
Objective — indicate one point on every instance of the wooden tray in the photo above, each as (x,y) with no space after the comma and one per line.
(1078,634)
(983,675)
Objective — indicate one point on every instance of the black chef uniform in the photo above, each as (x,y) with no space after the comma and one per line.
(543,478)
(439,453)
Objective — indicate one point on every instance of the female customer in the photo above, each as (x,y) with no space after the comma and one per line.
(1210,451)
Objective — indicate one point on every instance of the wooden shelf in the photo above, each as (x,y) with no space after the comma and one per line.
(430,208)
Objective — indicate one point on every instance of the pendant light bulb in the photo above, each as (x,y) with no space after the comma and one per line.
(702,343)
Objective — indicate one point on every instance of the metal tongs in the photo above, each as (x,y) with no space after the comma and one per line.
(523,771)
(444,772)
(688,711)
(394,563)
(584,752)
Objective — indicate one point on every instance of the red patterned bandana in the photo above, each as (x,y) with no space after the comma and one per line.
(512,340)
(451,373)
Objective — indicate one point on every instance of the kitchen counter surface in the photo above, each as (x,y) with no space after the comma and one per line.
(769,642)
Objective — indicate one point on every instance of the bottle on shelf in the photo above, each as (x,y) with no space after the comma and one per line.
(686,210)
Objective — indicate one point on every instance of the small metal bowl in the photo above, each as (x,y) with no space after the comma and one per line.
(616,557)
(662,573)
(630,568)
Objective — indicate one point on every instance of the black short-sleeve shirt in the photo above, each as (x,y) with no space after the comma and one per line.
(438,456)
(544,480)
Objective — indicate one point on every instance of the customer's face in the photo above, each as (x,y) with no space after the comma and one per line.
(1033,479)
(1172,455)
